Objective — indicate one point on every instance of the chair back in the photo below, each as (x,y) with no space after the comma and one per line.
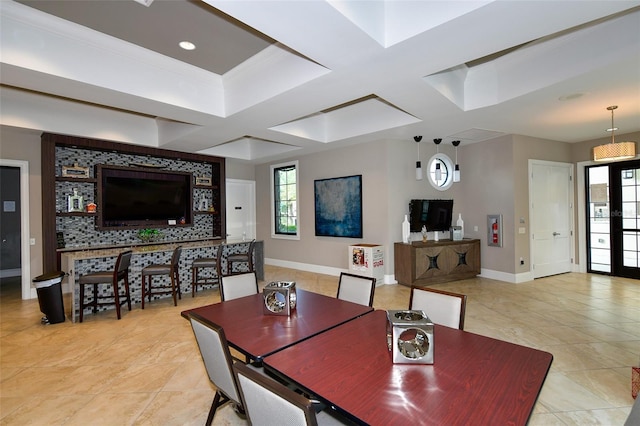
(268,402)
(217,359)
(249,251)
(356,288)
(240,285)
(122,264)
(442,307)
(175,257)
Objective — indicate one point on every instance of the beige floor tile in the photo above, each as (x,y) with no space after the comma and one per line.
(560,393)
(605,417)
(146,369)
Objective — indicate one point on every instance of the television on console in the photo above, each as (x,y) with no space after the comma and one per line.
(435,215)
(140,198)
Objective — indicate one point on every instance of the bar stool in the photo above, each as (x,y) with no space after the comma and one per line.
(244,257)
(203,263)
(120,272)
(172,269)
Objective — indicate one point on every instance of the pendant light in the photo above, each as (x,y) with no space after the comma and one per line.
(613,150)
(456,170)
(418,163)
(438,173)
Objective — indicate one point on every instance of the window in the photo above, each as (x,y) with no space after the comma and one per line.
(445,180)
(284,196)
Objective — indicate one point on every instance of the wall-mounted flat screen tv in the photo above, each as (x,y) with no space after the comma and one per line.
(435,215)
(141,198)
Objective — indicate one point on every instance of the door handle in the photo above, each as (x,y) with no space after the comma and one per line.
(555,234)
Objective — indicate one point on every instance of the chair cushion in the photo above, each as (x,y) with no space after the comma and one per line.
(156,269)
(205,262)
(238,257)
(97,277)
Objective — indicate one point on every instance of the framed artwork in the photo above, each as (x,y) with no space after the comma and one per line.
(338,207)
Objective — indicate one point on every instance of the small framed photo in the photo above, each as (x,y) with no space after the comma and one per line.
(75,171)
(203,180)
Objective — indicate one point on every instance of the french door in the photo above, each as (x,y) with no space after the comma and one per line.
(613,212)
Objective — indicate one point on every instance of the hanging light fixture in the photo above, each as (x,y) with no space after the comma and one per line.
(418,163)
(438,173)
(613,150)
(456,170)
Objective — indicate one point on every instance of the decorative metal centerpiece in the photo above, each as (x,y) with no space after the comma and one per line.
(279,298)
(410,337)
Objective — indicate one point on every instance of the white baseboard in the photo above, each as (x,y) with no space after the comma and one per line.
(506,277)
(317,269)
(8,273)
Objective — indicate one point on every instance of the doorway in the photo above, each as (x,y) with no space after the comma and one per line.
(551,213)
(20,203)
(613,216)
(241,210)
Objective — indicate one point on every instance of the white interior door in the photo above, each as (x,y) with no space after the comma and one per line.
(241,210)
(551,213)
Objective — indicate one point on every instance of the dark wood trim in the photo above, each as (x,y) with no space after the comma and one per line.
(49,239)
(49,141)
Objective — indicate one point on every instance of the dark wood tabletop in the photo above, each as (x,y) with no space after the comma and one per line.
(475,380)
(257,335)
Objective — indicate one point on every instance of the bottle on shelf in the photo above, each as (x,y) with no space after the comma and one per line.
(460,223)
(406,232)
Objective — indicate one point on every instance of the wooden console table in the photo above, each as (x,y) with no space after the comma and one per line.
(435,262)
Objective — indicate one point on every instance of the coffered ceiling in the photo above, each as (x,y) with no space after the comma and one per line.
(274,79)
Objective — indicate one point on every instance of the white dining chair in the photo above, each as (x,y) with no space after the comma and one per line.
(268,402)
(235,286)
(442,307)
(356,288)
(218,362)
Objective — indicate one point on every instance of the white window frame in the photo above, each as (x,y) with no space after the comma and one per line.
(273,167)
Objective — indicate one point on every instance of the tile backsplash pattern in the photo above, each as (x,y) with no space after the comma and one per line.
(80,231)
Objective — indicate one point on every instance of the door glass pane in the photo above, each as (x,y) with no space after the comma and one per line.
(599,230)
(630,234)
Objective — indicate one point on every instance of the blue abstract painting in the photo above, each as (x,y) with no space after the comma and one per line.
(338,203)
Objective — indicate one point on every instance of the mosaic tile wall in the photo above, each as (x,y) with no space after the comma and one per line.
(80,232)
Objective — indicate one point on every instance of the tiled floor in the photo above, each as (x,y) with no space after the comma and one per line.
(146,370)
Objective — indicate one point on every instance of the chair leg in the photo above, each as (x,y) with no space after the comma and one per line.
(218,400)
(173,290)
(143,290)
(194,275)
(94,309)
(81,302)
(178,284)
(127,292)
(116,296)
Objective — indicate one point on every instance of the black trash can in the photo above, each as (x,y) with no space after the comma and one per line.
(49,289)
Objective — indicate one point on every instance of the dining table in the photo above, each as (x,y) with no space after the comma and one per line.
(473,380)
(257,334)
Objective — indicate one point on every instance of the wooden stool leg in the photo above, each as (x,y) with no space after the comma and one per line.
(81,301)
(116,296)
(143,290)
(173,290)
(127,292)
(178,285)
(95,298)
(194,275)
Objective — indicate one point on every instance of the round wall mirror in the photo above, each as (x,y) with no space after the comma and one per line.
(444,179)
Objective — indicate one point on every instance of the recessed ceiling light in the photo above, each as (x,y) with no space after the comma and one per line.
(144,2)
(187,45)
